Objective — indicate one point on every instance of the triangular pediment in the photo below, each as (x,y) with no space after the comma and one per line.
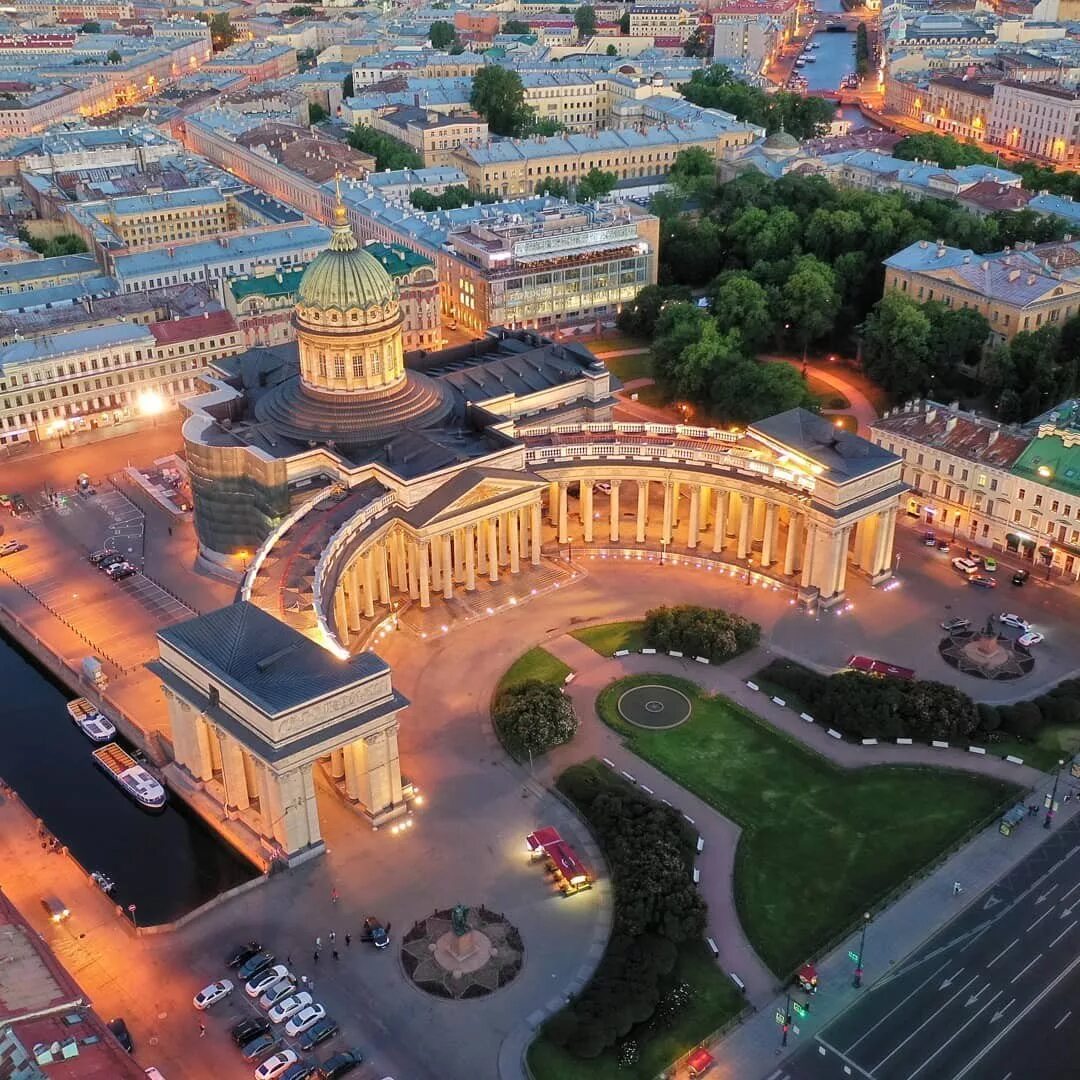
(472,489)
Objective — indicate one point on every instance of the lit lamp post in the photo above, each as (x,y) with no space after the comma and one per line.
(57,429)
(1053,796)
(152,404)
(857,980)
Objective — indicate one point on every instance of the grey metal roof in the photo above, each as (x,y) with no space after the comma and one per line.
(845,455)
(272,665)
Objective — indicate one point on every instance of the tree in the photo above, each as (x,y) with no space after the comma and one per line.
(639,318)
(896,346)
(612,51)
(624,23)
(515,26)
(693,172)
(944,150)
(113,57)
(442,34)
(749,390)
(388,152)
(347,88)
(90,27)
(697,44)
(61,244)
(810,299)
(316,113)
(738,302)
(715,353)
(499,97)
(585,20)
(552,185)
(300,10)
(222,32)
(700,631)
(533,717)
(594,183)
(679,326)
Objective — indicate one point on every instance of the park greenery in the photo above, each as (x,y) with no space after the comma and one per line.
(594,184)
(388,152)
(657,911)
(90,27)
(498,95)
(453,197)
(717,87)
(820,844)
(624,23)
(532,717)
(609,638)
(699,631)
(516,27)
(585,20)
(536,664)
(862,51)
(443,35)
(317,113)
(697,44)
(52,246)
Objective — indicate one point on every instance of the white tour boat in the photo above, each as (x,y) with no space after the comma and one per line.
(131,776)
(94,725)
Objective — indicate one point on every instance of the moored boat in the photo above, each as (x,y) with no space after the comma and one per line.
(102,881)
(131,776)
(93,724)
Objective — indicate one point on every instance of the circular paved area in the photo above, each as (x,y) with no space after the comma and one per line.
(654,706)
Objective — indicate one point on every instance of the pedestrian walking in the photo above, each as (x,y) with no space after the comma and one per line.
(334,895)
(333,936)
(957,888)
(318,942)
(202,1030)
(315,956)
(288,959)
(348,940)
(335,955)
(303,980)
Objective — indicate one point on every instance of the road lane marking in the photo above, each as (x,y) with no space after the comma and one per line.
(1002,953)
(902,1002)
(1016,1020)
(1029,964)
(1063,1019)
(1065,896)
(1043,896)
(932,1016)
(1062,934)
(1039,919)
(950,979)
(845,1059)
(911,1076)
(975,997)
(997,1014)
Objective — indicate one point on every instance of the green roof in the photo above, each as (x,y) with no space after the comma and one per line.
(397,261)
(1049,461)
(281,284)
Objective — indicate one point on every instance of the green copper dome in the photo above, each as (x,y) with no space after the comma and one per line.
(345,276)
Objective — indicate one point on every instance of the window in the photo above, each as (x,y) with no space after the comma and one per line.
(1038,500)
(357,366)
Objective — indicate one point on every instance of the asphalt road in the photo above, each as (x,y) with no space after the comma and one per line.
(989,997)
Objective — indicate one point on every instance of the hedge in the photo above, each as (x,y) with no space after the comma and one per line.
(650,850)
(700,631)
(532,717)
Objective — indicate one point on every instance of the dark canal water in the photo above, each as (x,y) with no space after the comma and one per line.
(165,863)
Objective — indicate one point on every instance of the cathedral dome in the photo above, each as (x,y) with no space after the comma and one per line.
(345,277)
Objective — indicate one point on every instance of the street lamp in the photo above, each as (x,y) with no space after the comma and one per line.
(152,404)
(1053,795)
(785,1027)
(57,429)
(857,980)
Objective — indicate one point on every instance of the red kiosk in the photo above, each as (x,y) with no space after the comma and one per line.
(562,862)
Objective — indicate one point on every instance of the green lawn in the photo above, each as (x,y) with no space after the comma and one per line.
(1055,743)
(607,638)
(535,664)
(820,844)
(614,343)
(714,1003)
(829,396)
(631,367)
(653,395)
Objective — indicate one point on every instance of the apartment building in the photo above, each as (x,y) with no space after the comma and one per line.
(675,21)
(258,60)
(1040,120)
(104,376)
(982,483)
(433,135)
(1013,290)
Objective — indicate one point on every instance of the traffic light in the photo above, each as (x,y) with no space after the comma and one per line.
(800,1009)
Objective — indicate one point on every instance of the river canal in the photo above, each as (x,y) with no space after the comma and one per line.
(165,863)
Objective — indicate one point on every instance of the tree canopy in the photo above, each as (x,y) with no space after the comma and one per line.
(516,26)
(585,20)
(442,34)
(388,152)
(594,183)
(499,97)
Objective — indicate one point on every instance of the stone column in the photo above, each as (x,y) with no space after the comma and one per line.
(720,522)
(534,529)
(553,502)
(266,821)
(413,569)
(695,512)
(435,549)
(383,573)
(423,554)
(448,567)
(675,508)
(378,772)
(481,543)
(470,558)
(642,510)
(665,534)
(352,776)
(203,764)
(513,521)
(564,533)
(232,768)
(367,571)
(888,533)
(310,804)
(705,494)
(794,536)
(746,520)
(842,559)
(341,618)
(616,513)
(493,552)
(587,509)
(400,579)
(734,509)
(809,554)
(523,532)
(758,535)
(768,541)
(352,597)
(504,538)
(337,763)
(215,748)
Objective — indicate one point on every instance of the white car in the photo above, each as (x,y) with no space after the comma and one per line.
(281,989)
(262,982)
(276,1064)
(1032,637)
(965,566)
(292,1004)
(305,1018)
(212,994)
(1009,619)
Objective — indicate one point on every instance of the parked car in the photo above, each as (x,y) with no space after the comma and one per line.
(261,1044)
(97,557)
(320,1032)
(123,1036)
(266,979)
(955,624)
(276,1064)
(290,1005)
(943,545)
(1032,637)
(242,954)
(281,989)
(120,571)
(153,1073)
(306,1018)
(1011,619)
(1020,577)
(930,539)
(254,964)
(212,994)
(965,566)
(11,547)
(248,1029)
(110,558)
(981,581)
(375,932)
(302,1070)
(989,564)
(340,1064)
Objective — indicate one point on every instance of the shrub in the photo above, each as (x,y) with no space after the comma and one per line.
(989,716)
(534,716)
(1060,709)
(791,676)
(699,631)
(1024,719)
(650,852)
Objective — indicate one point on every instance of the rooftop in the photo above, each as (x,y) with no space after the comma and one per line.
(193,327)
(957,432)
